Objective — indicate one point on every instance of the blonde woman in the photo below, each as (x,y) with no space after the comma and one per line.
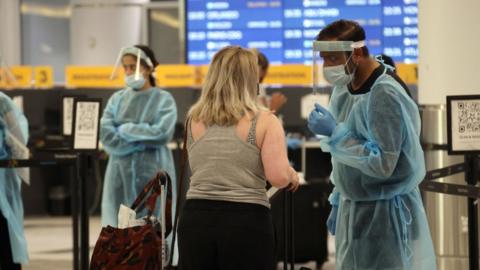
(234,148)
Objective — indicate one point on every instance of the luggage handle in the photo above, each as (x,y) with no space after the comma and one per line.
(153,190)
(183,164)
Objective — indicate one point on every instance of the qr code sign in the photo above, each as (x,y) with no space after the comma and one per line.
(468,117)
(86,117)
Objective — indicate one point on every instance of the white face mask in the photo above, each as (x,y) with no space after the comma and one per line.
(337,75)
(135,84)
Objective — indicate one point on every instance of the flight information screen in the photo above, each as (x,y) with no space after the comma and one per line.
(284,29)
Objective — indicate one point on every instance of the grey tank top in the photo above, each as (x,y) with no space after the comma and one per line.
(225,167)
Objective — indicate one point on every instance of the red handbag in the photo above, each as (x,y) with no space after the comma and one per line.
(139,247)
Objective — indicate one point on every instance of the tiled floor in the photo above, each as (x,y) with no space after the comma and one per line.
(50,243)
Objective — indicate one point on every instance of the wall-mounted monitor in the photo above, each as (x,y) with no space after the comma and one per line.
(284,29)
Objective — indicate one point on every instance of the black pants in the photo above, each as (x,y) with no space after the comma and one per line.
(225,236)
(6,258)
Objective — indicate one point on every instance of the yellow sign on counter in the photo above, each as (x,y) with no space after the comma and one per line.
(93,76)
(201,74)
(167,76)
(43,76)
(408,72)
(289,75)
(16,77)
(176,76)
(284,75)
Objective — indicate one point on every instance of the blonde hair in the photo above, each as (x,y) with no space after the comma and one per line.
(230,88)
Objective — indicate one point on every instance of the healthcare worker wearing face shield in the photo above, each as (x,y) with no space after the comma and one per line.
(371,129)
(13,141)
(135,128)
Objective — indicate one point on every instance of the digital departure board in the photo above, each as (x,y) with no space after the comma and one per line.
(284,29)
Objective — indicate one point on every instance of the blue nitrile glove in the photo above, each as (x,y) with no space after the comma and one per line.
(334,200)
(332,219)
(321,121)
(294,143)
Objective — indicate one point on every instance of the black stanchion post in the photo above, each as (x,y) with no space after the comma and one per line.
(292,228)
(75,173)
(75,192)
(86,169)
(285,230)
(471,177)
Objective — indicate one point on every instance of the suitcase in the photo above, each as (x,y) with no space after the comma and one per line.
(304,213)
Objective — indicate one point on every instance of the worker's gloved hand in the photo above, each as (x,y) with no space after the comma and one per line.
(321,121)
(294,143)
(332,219)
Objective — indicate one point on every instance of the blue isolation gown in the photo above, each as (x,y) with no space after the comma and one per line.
(134,130)
(12,123)
(378,164)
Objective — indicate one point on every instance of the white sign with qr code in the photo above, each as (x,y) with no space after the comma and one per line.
(465,127)
(87,115)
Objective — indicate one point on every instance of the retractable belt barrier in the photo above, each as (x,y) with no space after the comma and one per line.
(471,168)
(78,202)
(453,189)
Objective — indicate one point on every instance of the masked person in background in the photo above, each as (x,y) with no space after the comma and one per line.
(135,128)
(371,129)
(274,102)
(13,141)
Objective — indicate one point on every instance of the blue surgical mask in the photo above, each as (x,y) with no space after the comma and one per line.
(337,75)
(135,84)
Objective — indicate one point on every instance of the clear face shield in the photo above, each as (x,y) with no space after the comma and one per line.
(131,66)
(332,63)
(7,78)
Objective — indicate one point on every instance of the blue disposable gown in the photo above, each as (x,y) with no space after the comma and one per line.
(378,163)
(134,130)
(341,103)
(12,123)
